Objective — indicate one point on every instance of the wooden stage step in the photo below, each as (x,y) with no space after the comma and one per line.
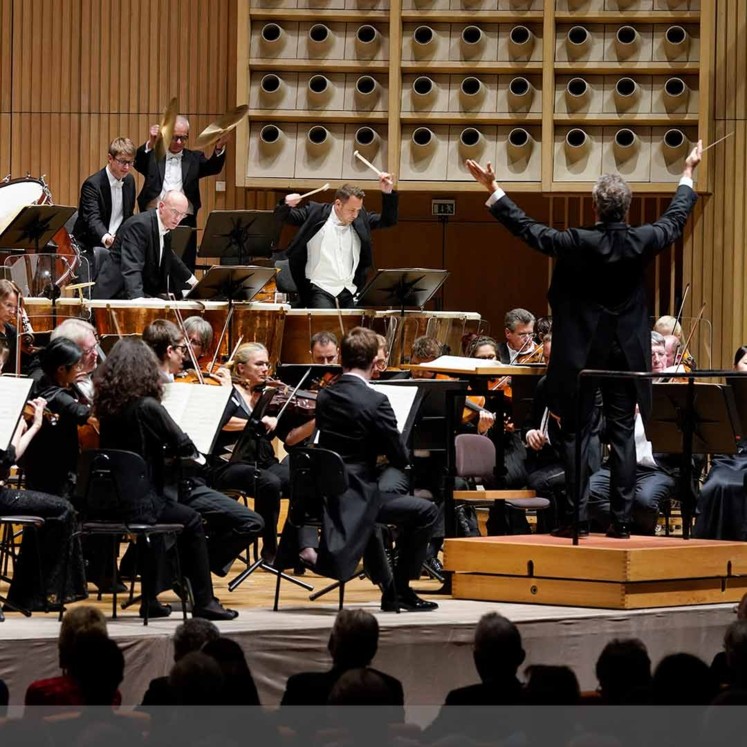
(600,572)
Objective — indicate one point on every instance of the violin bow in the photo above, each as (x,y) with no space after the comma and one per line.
(212,363)
(681,352)
(293,393)
(682,308)
(192,357)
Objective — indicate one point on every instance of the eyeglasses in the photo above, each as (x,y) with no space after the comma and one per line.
(124,162)
(523,334)
(486,357)
(179,138)
(176,213)
(182,347)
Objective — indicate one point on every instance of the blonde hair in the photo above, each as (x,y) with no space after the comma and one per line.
(244,351)
(668,325)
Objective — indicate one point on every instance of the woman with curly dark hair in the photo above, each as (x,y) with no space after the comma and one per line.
(128,404)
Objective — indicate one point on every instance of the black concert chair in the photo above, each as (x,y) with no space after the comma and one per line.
(316,476)
(113,500)
(8,552)
(475,462)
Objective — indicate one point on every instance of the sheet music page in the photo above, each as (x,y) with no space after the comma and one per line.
(401,399)
(14,394)
(460,363)
(197,410)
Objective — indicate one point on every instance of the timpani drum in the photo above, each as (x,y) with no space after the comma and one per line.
(260,322)
(44,317)
(448,327)
(301,324)
(126,317)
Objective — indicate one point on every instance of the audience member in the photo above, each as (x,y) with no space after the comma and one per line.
(196,679)
(97,667)
(190,636)
(352,645)
(64,690)
(682,679)
(551,685)
(238,683)
(624,672)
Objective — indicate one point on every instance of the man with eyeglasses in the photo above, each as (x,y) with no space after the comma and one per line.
(143,264)
(519,324)
(181,171)
(84,336)
(107,199)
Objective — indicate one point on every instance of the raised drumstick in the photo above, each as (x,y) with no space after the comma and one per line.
(314,191)
(367,163)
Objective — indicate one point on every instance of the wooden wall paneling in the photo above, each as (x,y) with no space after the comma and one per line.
(5,144)
(6,55)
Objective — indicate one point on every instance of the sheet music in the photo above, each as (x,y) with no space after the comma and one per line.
(401,398)
(460,363)
(14,394)
(198,410)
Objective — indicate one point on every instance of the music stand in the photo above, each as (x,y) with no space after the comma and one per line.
(180,238)
(249,438)
(236,283)
(34,226)
(236,237)
(738,384)
(408,287)
(292,373)
(689,418)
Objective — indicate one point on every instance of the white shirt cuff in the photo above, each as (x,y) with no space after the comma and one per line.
(220,152)
(148,149)
(686,181)
(495,197)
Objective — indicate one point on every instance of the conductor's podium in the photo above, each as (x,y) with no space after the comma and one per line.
(601,572)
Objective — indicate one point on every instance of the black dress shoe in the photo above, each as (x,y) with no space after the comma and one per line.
(155,609)
(214,611)
(566,530)
(409,601)
(619,530)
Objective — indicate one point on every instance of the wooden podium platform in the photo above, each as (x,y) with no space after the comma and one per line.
(600,572)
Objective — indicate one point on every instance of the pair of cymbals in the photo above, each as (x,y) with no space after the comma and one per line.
(211,134)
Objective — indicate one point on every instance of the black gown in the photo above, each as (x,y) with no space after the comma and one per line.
(56,541)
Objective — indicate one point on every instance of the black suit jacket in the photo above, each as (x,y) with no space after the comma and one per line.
(194,167)
(313,688)
(95,207)
(359,424)
(134,270)
(312,217)
(598,284)
(504,354)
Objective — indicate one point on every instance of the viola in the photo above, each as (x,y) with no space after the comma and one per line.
(301,402)
(190,376)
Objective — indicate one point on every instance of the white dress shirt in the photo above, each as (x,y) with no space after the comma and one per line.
(162,231)
(117,205)
(172,178)
(333,254)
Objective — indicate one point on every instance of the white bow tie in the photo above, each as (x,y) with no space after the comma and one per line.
(117,185)
(175,157)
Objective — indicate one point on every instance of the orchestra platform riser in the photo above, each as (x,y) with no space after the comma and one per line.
(600,572)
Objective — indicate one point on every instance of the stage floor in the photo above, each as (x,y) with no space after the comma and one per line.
(430,652)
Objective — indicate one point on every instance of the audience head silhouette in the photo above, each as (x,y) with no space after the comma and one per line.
(498,652)
(624,672)
(97,666)
(83,620)
(192,635)
(354,639)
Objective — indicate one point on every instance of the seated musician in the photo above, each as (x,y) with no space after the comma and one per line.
(129,388)
(84,336)
(424,350)
(143,264)
(331,251)
(668,325)
(544,461)
(9,300)
(722,508)
(655,474)
(199,338)
(107,199)
(51,460)
(51,543)
(231,526)
(324,348)
(519,330)
(358,423)
(256,470)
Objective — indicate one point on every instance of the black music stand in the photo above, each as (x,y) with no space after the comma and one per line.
(249,440)
(236,283)
(33,227)
(292,373)
(236,237)
(689,418)
(180,238)
(738,384)
(408,287)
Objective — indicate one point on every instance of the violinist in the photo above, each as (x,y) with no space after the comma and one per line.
(129,389)
(257,471)
(51,460)
(55,539)
(9,300)
(484,348)
(324,349)
(231,526)
(519,330)
(424,350)
(84,336)
(199,337)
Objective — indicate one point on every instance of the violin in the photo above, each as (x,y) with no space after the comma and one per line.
(29,412)
(300,401)
(190,376)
